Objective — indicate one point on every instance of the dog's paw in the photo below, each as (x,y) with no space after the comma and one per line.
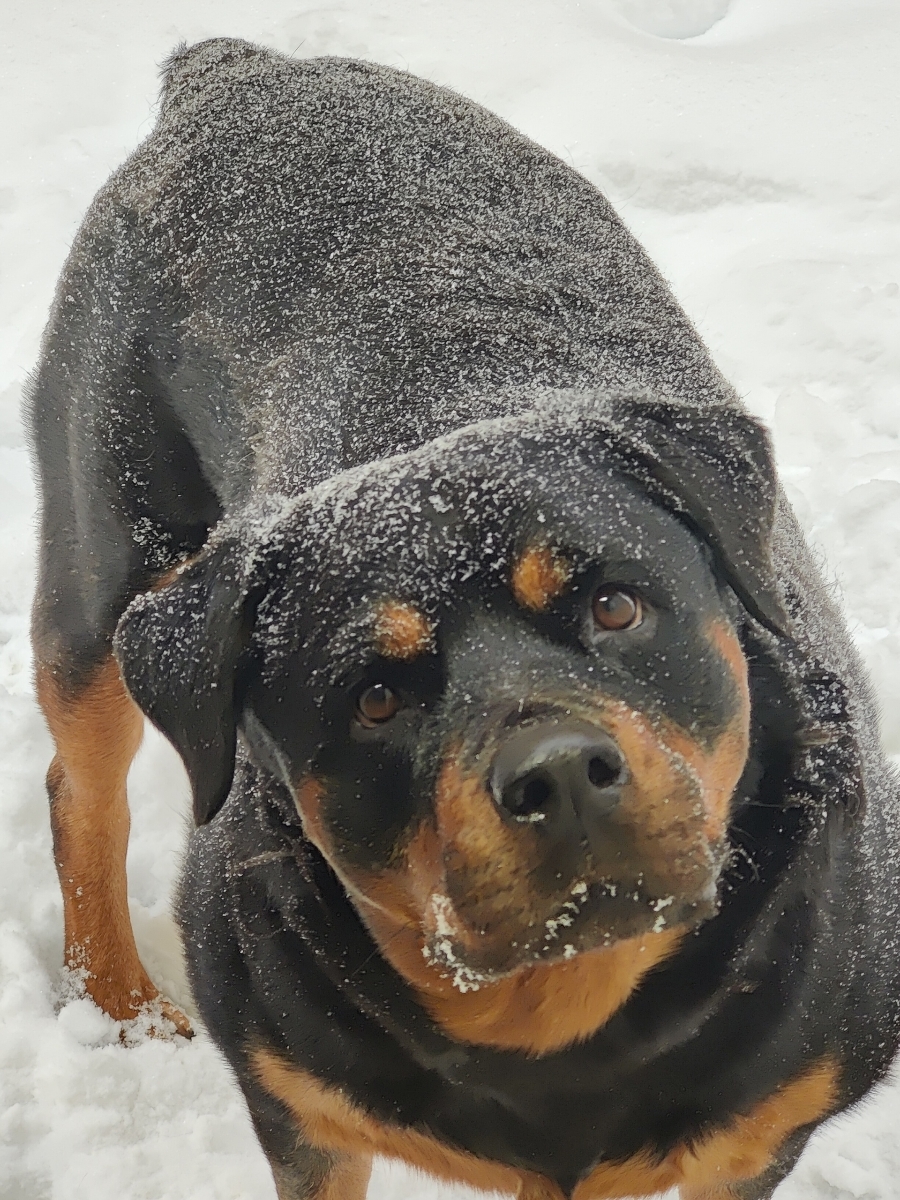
(155,1018)
(139,1009)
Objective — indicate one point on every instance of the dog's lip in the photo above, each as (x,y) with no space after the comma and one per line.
(614,903)
(567,933)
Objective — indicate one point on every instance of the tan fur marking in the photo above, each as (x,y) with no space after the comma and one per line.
(721,769)
(703,1171)
(97,734)
(716,771)
(539,576)
(723,1192)
(741,1151)
(348,1179)
(474,836)
(540,1007)
(171,574)
(747,1146)
(401,631)
(308,799)
(330,1122)
(733,748)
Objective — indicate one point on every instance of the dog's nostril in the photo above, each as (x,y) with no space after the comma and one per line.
(529,797)
(603,773)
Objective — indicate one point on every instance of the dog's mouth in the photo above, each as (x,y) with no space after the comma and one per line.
(595,916)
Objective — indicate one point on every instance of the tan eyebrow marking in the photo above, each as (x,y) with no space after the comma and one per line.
(401,631)
(539,577)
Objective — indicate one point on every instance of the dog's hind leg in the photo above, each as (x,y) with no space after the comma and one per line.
(97,730)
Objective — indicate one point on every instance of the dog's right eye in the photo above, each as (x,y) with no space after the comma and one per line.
(377,704)
(617,609)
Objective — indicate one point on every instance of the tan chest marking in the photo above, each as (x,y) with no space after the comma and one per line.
(739,1152)
(330,1122)
(703,1171)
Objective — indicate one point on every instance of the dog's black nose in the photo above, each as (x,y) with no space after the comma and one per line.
(546,773)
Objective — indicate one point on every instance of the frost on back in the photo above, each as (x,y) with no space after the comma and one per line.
(357,261)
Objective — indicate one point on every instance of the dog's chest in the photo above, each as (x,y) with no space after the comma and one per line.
(360,1067)
(707,1166)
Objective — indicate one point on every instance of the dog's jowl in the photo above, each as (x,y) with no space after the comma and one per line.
(543,836)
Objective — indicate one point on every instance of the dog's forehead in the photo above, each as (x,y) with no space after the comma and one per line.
(420,528)
(435,520)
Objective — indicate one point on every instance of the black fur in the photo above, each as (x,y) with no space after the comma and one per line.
(334,335)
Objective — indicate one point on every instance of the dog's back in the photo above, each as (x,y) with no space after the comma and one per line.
(355,261)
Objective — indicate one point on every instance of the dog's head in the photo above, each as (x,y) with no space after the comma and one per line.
(501,675)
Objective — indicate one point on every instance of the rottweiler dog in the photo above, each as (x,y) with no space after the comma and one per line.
(543,838)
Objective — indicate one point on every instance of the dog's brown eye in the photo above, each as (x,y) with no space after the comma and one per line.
(615,609)
(377,704)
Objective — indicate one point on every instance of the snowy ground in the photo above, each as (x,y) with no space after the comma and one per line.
(751,145)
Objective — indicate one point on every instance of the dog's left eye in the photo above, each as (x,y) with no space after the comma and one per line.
(377,704)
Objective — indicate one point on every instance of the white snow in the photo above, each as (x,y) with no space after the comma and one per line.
(752,146)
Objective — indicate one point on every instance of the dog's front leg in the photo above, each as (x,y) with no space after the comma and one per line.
(97,730)
(316,1176)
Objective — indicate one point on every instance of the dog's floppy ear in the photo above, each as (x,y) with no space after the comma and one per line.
(712,464)
(179,649)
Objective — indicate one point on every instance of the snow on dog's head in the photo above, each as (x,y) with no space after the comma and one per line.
(500,675)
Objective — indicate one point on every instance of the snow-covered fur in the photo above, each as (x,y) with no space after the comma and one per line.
(334,333)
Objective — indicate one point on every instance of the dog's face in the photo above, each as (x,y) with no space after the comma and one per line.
(504,686)
(531,761)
